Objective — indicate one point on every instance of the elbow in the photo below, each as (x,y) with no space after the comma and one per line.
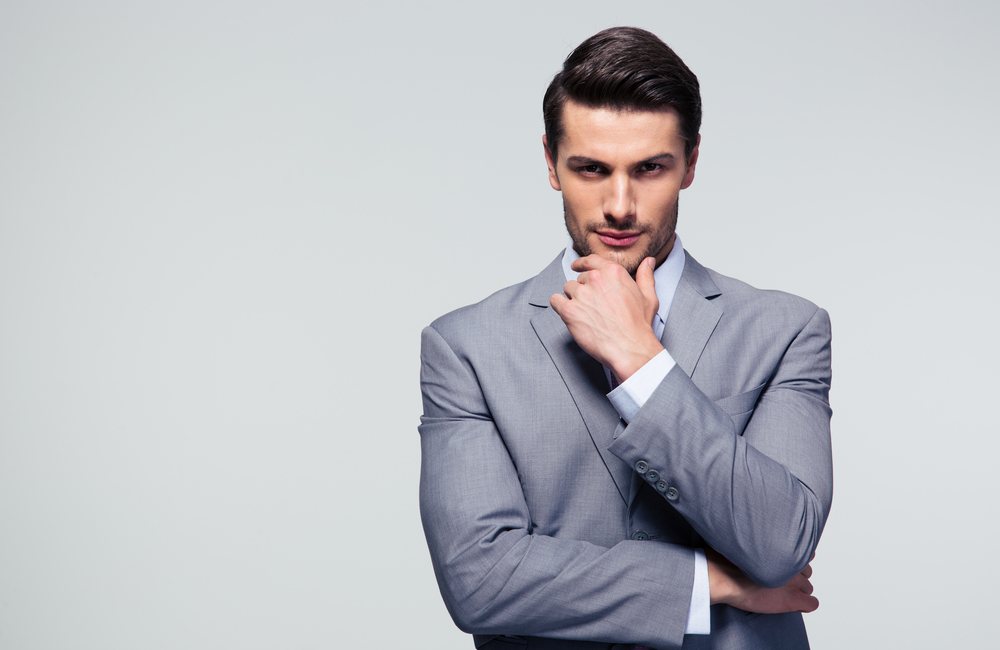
(775,568)
(464,600)
(464,620)
(772,579)
(470,609)
(467,611)
(468,604)
(471,584)
(470,621)
(774,551)
(776,564)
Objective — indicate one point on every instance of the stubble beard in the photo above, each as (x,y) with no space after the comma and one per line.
(657,239)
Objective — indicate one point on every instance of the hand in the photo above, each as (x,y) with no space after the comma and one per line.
(728,585)
(610,315)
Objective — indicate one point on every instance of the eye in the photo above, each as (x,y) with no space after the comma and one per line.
(590,169)
(649,167)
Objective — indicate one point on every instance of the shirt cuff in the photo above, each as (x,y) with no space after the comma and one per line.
(699,614)
(630,396)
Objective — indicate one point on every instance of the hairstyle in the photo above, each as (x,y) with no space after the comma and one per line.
(624,68)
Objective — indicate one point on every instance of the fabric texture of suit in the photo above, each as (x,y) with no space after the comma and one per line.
(537,499)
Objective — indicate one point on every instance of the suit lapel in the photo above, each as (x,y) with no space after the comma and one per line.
(693,316)
(690,324)
(583,375)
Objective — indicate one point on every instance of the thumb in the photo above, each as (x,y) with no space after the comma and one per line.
(647,285)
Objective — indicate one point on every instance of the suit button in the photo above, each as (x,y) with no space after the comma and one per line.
(641,466)
(652,476)
(672,494)
(661,486)
(640,535)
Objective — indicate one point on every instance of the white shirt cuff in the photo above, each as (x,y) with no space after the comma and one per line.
(630,396)
(699,615)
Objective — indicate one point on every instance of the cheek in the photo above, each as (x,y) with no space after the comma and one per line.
(584,202)
(657,204)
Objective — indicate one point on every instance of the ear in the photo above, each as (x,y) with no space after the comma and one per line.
(553,177)
(692,161)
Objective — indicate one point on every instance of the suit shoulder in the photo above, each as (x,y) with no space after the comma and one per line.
(742,298)
(504,306)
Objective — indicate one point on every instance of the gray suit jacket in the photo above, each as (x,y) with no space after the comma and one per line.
(537,501)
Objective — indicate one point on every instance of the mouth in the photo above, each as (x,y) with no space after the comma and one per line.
(617,238)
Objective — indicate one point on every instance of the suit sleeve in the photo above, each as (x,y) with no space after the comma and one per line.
(759,495)
(497,577)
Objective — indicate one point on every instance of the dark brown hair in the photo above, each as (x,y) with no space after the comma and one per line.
(624,68)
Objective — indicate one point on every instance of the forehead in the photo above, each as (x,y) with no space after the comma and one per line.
(606,133)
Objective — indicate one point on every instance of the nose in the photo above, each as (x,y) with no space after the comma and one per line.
(619,201)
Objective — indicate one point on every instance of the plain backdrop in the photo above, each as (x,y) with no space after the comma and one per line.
(223,225)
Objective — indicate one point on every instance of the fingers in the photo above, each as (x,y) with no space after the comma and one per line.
(590,263)
(644,279)
(811,604)
(558,302)
(570,290)
(801,594)
(801,581)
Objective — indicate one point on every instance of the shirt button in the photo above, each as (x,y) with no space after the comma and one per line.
(672,494)
(652,476)
(641,466)
(640,535)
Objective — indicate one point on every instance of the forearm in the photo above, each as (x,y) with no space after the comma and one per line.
(746,505)
(763,515)
(498,578)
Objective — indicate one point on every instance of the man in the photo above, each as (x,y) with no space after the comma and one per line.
(628,449)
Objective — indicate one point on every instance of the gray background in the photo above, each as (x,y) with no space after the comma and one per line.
(223,225)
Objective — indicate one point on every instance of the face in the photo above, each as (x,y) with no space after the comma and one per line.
(620,173)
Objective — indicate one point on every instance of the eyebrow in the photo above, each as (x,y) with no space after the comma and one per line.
(660,157)
(584,160)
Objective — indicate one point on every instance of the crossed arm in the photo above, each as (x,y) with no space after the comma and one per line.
(609,316)
(498,577)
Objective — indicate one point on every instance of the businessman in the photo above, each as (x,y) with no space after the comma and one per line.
(628,450)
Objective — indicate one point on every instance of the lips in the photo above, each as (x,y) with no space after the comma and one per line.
(617,238)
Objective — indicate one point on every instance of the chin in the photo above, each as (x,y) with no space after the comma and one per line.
(628,259)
